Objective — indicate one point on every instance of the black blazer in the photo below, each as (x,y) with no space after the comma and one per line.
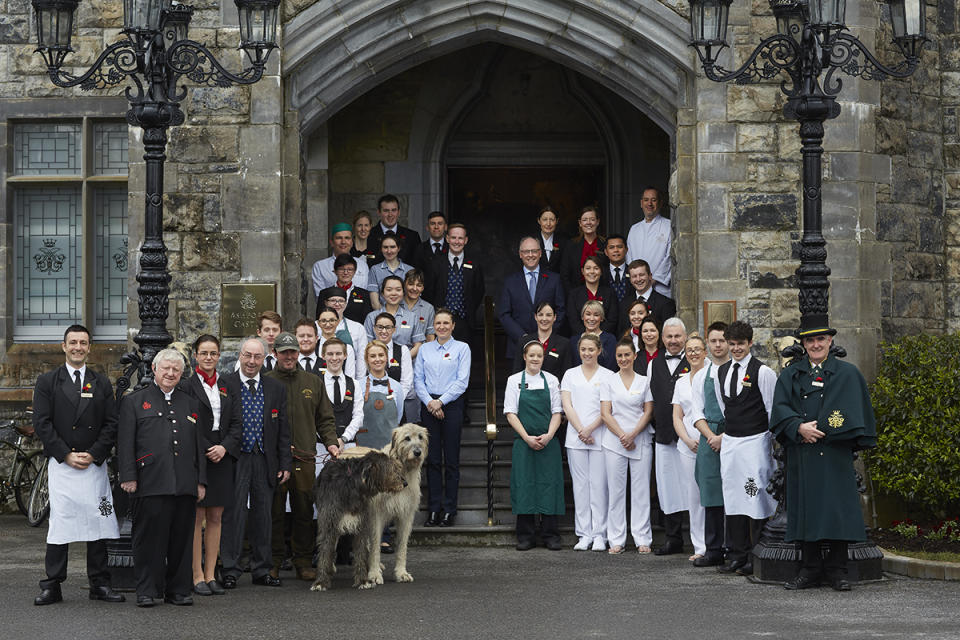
(231,417)
(67,422)
(409,238)
(160,446)
(556,255)
(423,255)
(358,305)
(516,312)
(575,301)
(276,428)
(570,262)
(660,305)
(556,360)
(473,286)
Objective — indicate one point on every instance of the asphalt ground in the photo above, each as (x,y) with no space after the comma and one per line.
(484,592)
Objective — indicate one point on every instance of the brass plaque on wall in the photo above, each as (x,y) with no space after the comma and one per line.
(719,311)
(241,305)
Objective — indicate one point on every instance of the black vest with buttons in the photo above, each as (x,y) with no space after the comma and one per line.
(394,370)
(745,414)
(343,412)
(662,384)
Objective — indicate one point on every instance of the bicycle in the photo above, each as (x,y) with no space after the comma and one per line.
(27,462)
(38,505)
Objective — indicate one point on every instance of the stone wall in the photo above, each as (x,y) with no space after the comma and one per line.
(948,45)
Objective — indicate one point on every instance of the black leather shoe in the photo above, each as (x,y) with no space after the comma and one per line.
(802,582)
(267,581)
(215,588)
(840,584)
(106,594)
(229,582)
(554,545)
(746,569)
(201,589)
(731,567)
(447,520)
(178,599)
(525,545)
(387,548)
(668,549)
(708,561)
(145,601)
(48,596)
(433,519)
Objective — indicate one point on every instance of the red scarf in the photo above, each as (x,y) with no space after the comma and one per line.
(345,287)
(546,344)
(651,356)
(589,249)
(210,381)
(593,296)
(636,332)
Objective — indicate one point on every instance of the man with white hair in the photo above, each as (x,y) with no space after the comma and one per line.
(665,370)
(163,467)
(265,460)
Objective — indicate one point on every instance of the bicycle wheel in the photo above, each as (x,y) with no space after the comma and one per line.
(24,474)
(38,506)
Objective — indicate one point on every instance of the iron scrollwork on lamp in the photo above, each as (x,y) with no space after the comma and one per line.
(811,45)
(155,54)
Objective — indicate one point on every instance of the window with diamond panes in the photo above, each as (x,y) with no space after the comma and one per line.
(69,196)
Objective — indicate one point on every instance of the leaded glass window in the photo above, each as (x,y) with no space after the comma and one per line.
(69,197)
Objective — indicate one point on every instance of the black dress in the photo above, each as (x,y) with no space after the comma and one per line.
(220,491)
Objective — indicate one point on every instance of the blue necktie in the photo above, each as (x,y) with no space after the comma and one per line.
(533,285)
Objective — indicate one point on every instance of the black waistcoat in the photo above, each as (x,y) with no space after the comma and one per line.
(343,412)
(395,361)
(662,383)
(745,414)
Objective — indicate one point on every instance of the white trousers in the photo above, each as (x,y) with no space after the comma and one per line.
(616,466)
(692,494)
(589,492)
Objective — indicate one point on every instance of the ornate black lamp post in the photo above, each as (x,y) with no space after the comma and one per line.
(154,54)
(810,46)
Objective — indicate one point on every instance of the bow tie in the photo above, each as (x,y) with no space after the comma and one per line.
(382,383)
(667,356)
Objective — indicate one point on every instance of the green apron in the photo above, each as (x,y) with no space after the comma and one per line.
(378,422)
(536,477)
(707,470)
(344,336)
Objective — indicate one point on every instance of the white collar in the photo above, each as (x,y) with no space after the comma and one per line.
(743,363)
(71,370)
(244,379)
(645,294)
(385,228)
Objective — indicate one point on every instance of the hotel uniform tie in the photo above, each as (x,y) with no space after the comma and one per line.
(436,248)
(733,380)
(533,285)
(337,398)
(76,379)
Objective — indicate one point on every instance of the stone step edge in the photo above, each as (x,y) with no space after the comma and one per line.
(917,568)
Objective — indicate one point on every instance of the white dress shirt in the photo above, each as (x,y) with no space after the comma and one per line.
(511,395)
(767,382)
(356,418)
(324,276)
(651,241)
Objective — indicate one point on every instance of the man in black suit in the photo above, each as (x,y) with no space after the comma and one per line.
(435,244)
(616,275)
(457,284)
(161,455)
(75,416)
(524,290)
(664,371)
(641,286)
(265,460)
(388,206)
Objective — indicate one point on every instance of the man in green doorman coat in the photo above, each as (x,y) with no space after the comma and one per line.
(821,414)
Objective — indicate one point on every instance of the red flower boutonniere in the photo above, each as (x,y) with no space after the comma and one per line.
(421,318)
(347,394)
(403,237)
(393,361)
(746,381)
(556,246)
(543,275)
(819,379)
(87,387)
(403,322)
(469,262)
(147,405)
(686,370)
(274,412)
(446,355)
(746,378)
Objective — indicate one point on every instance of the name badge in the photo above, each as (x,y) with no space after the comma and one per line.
(468,266)
(390,397)
(747,385)
(192,419)
(636,393)
(817,384)
(554,354)
(86,395)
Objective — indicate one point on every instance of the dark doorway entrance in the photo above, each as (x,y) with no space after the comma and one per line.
(499,205)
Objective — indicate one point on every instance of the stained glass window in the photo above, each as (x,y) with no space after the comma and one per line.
(110,213)
(46,149)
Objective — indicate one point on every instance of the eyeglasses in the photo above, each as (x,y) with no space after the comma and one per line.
(529,252)
(328,321)
(695,352)
(383,327)
(207,354)
(251,356)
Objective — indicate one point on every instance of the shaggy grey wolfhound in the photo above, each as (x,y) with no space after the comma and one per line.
(343,494)
(408,446)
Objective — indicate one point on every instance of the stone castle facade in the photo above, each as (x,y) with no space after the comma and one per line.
(365,98)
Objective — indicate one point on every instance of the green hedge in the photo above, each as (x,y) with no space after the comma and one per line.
(916,398)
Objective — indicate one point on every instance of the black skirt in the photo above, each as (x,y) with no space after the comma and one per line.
(219,483)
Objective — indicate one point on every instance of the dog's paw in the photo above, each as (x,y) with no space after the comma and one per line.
(317,587)
(367,585)
(404,577)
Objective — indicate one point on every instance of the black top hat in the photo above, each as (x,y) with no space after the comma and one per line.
(815,324)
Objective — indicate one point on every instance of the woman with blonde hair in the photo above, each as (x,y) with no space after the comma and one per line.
(592,316)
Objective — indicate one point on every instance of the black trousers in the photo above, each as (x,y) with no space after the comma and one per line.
(673,528)
(527,527)
(250,479)
(163,544)
(742,533)
(713,531)
(813,564)
(443,456)
(56,564)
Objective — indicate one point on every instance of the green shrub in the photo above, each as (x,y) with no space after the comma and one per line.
(916,398)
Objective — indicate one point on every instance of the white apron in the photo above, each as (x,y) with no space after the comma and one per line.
(81,504)
(670,482)
(746,466)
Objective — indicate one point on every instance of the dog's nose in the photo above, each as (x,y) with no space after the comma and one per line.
(417,452)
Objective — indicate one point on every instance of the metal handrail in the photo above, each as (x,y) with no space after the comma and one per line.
(490,397)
